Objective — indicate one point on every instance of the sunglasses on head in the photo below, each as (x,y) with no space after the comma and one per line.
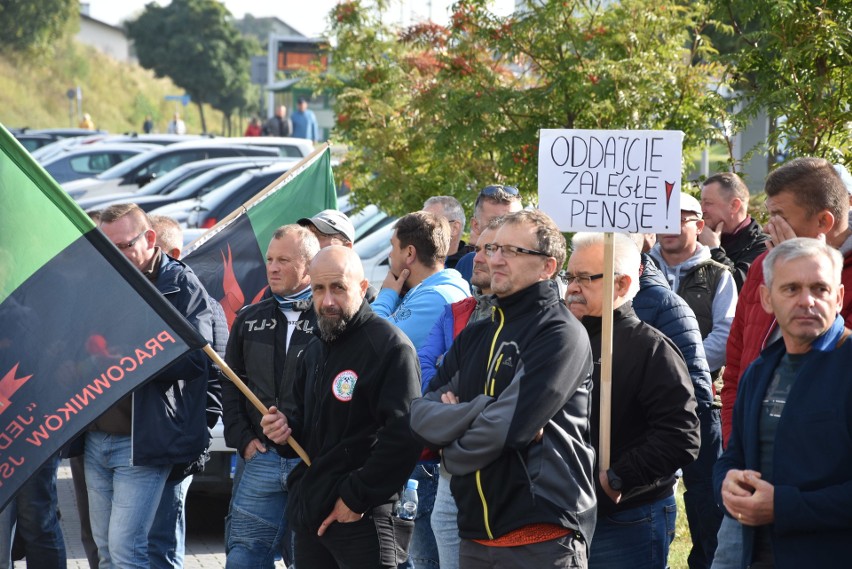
(490,191)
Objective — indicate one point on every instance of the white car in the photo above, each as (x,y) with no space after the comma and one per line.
(374,250)
(288,147)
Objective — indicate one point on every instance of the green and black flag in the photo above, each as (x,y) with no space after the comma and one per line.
(80,327)
(230,259)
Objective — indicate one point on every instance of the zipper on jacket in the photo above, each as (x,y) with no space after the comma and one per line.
(484,504)
(488,370)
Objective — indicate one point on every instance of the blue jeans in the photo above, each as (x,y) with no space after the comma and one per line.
(257,520)
(445,525)
(123,499)
(167,538)
(702,513)
(729,554)
(423,552)
(32,513)
(637,538)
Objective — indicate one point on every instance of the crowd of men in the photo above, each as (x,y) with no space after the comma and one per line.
(483,384)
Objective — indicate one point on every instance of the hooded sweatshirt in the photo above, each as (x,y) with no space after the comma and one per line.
(724,299)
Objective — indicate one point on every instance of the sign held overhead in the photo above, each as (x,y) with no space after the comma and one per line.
(622,181)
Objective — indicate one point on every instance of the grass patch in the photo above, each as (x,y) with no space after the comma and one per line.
(679,550)
(117,94)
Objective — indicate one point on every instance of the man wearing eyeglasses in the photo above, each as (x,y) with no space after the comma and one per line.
(509,408)
(708,287)
(654,426)
(130,449)
(492,202)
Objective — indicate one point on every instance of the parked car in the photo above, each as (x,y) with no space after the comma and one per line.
(134,173)
(210,209)
(47,152)
(88,161)
(286,146)
(198,186)
(374,250)
(168,182)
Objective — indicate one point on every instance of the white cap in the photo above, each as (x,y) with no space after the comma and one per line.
(329,222)
(690,204)
(844,176)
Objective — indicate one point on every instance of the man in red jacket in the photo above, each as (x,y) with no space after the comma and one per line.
(805,198)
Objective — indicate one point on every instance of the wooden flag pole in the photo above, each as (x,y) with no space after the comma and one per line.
(251,397)
(605,437)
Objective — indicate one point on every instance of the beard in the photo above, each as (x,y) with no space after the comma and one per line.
(333,322)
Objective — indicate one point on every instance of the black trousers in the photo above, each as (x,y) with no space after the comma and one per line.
(377,541)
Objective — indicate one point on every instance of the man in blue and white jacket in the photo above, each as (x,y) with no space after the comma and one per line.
(420,244)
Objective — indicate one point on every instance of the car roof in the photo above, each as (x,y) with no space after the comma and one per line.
(105,147)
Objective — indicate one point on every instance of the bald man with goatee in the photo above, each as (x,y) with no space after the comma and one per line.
(354,386)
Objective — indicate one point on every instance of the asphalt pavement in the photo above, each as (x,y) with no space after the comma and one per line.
(205,545)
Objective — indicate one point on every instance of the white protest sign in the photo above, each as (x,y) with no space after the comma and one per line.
(622,181)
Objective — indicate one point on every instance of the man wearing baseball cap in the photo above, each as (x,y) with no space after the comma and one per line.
(708,287)
(331,227)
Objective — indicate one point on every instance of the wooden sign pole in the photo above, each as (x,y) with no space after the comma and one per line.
(605,437)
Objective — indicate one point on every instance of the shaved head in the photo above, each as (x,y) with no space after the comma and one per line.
(339,258)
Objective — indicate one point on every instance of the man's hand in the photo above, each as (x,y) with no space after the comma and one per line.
(749,498)
(275,426)
(711,237)
(778,230)
(396,284)
(254,447)
(449,398)
(341,513)
(614,495)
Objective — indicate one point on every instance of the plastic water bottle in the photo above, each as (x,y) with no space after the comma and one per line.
(408,508)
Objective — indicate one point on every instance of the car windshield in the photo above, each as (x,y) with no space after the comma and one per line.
(119,170)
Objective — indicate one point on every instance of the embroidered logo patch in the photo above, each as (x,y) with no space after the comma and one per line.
(403,313)
(343,385)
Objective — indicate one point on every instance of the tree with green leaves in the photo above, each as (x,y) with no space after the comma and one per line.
(34,27)
(449,109)
(195,43)
(793,60)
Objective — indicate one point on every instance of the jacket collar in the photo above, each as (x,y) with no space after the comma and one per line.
(593,324)
(532,298)
(825,343)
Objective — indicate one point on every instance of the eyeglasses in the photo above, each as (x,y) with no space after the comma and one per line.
(491,191)
(582,280)
(132,242)
(510,251)
(684,220)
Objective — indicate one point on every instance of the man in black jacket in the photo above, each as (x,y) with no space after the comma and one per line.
(510,409)
(653,419)
(353,390)
(131,449)
(734,238)
(266,339)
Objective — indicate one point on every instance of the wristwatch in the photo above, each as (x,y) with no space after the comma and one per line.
(614,481)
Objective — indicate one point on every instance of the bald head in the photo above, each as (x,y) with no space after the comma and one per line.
(339,286)
(340,259)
